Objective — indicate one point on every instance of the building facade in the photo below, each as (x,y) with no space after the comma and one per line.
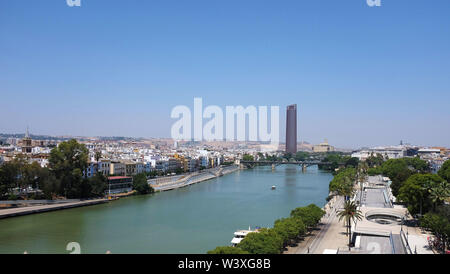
(323,147)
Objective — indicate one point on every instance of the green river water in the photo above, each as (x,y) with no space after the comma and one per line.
(193,219)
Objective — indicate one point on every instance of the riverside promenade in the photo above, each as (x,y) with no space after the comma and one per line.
(331,234)
(20,211)
(383,229)
(194,178)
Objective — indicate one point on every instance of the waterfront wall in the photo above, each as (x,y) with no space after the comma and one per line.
(193,178)
(13,212)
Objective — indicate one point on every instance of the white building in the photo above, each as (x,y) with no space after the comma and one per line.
(391,152)
(429,153)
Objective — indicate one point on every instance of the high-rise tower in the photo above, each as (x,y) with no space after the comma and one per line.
(291,129)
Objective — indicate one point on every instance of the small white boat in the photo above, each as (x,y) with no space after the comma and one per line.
(240,235)
(274,187)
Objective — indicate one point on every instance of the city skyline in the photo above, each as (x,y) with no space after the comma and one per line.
(361,76)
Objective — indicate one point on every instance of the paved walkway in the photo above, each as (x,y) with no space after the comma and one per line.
(12,212)
(330,236)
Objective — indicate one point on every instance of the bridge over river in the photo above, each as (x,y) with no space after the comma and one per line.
(304,164)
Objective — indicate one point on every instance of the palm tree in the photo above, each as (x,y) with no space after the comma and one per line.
(439,193)
(350,213)
(362,177)
(346,189)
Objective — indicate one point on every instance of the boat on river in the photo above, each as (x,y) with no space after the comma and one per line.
(240,235)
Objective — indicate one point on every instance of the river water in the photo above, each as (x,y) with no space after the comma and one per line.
(193,219)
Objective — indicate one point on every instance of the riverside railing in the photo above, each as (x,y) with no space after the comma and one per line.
(405,242)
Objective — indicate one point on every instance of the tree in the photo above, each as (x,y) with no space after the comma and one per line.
(444,171)
(350,213)
(9,173)
(98,155)
(248,157)
(310,215)
(397,170)
(301,156)
(439,225)
(343,182)
(227,250)
(374,161)
(266,241)
(439,193)
(98,185)
(362,176)
(289,229)
(50,186)
(418,165)
(415,192)
(141,185)
(373,171)
(334,160)
(67,162)
(352,162)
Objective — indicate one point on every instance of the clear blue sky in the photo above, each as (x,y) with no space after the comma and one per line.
(360,75)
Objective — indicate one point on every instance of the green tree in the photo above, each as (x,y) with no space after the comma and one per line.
(444,171)
(98,185)
(439,193)
(98,155)
(310,215)
(361,176)
(266,241)
(289,229)
(398,171)
(419,165)
(334,160)
(248,157)
(374,161)
(9,174)
(373,171)
(67,162)
(227,250)
(352,162)
(350,213)
(301,156)
(141,185)
(343,182)
(415,192)
(50,186)
(439,225)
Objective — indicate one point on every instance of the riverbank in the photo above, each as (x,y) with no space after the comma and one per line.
(194,178)
(14,212)
(188,220)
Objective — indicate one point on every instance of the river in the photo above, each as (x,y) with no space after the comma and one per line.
(193,219)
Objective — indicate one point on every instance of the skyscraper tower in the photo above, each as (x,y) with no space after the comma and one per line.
(291,129)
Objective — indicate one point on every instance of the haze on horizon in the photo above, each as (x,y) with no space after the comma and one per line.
(361,76)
